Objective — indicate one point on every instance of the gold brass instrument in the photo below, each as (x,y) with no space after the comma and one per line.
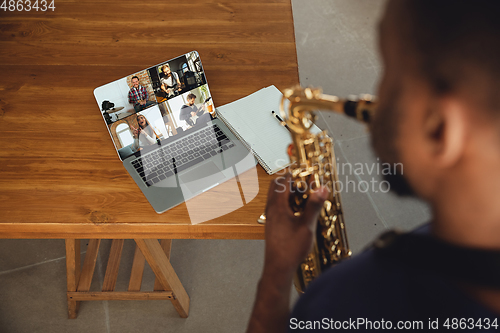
(313,165)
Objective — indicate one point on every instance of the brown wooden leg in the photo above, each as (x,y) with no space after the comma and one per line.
(166,245)
(137,270)
(167,284)
(115,255)
(89,265)
(165,273)
(72,273)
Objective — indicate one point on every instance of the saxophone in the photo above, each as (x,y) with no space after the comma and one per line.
(313,165)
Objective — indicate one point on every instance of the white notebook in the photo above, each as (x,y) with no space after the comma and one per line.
(250,119)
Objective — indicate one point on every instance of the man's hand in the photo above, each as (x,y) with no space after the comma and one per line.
(289,239)
(193,113)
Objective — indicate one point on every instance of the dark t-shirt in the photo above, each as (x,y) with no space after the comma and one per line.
(186,110)
(372,292)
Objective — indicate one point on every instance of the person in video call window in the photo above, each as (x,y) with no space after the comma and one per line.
(138,95)
(144,134)
(190,112)
(170,83)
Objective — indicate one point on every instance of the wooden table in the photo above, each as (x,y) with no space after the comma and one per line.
(60,176)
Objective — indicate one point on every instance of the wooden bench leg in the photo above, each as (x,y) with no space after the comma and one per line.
(72,273)
(137,271)
(167,284)
(166,245)
(79,280)
(115,255)
(165,274)
(89,265)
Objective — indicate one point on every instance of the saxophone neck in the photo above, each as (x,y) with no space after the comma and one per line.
(303,102)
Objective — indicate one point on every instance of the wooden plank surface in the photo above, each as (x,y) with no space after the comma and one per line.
(60,176)
(119,296)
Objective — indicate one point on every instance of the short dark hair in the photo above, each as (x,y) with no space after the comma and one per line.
(135,77)
(455,42)
(191,96)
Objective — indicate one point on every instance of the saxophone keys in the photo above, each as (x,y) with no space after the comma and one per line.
(327,233)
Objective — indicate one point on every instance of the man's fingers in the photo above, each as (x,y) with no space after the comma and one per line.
(315,203)
(279,191)
(279,186)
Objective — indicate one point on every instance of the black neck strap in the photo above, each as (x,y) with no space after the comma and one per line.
(470,265)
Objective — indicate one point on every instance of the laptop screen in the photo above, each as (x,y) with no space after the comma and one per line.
(156,103)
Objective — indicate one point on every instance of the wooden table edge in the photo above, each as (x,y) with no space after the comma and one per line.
(130,230)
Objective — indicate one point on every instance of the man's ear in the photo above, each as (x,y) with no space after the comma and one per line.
(445,128)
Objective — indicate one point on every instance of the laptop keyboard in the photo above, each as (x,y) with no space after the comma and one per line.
(190,150)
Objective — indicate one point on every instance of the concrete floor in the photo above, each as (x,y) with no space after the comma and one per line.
(336,48)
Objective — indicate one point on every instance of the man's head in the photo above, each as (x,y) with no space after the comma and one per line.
(437,94)
(135,81)
(190,99)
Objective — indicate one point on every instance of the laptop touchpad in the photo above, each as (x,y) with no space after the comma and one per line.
(202,177)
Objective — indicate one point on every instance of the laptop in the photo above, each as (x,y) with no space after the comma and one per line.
(163,123)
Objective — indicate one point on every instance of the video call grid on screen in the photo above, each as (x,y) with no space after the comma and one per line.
(169,88)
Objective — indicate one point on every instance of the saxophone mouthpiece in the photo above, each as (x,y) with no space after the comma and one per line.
(361,110)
